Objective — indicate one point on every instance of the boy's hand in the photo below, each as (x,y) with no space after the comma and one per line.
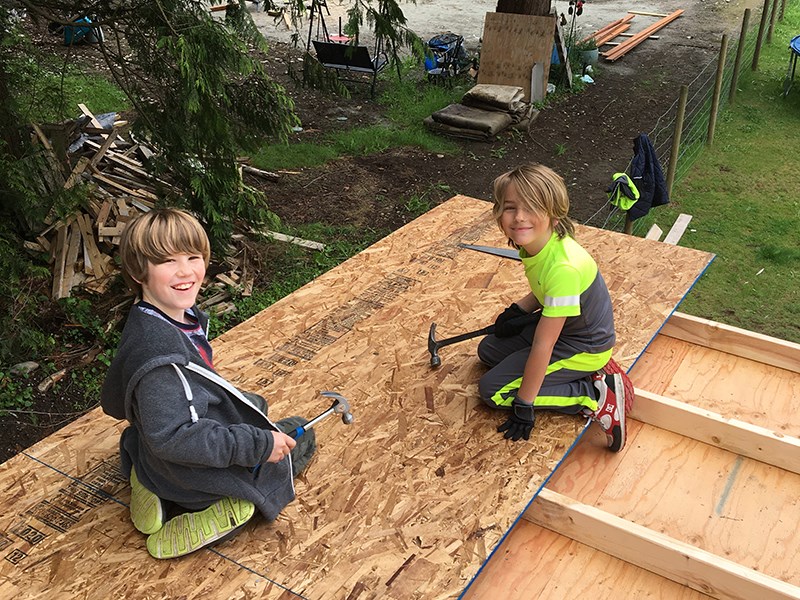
(507,322)
(520,423)
(282,445)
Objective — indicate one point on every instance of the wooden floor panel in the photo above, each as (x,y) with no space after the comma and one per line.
(737,508)
(538,563)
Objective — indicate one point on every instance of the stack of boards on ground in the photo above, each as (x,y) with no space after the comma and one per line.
(410,500)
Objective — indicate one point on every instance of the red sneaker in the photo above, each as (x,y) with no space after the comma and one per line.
(610,413)
(612,368)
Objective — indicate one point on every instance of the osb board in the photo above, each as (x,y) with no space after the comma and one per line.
(409,500)
(512,44)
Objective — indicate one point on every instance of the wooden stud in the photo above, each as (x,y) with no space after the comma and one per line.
(678,228)
(739,437)
(683,563)
(733,340)
(637,39)
(654,233)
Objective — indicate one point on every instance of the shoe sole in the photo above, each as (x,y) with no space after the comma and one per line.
(619,433)
(147,512)
(190,532)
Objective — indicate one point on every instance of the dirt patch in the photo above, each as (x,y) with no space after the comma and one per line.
(586,137)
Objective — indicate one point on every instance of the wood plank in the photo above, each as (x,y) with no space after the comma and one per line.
(733,340)
(512,44)
(102,149)
(678,229)
(654,551)
(624,48)
(606,37)
(76,173)
(70,260)
(606,28)
(59,257)
(712,428)
(654,233)
(98,264)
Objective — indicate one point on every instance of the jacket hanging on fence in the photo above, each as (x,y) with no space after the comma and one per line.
(649,178)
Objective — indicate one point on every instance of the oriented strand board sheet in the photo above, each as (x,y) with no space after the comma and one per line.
(405,503)
(512,44)
(734,507)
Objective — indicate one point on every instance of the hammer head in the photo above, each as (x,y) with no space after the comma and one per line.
(340,406)
(433,347)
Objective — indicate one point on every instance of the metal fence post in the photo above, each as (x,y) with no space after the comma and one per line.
(676,138)
(739,51)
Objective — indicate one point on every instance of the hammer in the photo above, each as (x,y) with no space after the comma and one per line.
(434,345)
(340,406)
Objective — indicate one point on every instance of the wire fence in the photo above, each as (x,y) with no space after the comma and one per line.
(697,116)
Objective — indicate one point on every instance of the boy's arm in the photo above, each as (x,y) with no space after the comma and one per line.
(166,424)
(529,303)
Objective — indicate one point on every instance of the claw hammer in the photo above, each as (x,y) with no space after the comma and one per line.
(340,406)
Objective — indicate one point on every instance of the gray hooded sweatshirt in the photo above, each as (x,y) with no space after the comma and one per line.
(193,437)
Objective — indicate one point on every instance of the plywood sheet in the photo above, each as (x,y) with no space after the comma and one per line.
(409,500)
(512,45)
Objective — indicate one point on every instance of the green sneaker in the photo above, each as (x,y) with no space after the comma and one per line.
(147,512)
(189,532)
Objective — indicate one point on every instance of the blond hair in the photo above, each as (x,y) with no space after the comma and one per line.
(155,235)
(541,190)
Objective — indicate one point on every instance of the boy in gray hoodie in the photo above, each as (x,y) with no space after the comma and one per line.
(196,447)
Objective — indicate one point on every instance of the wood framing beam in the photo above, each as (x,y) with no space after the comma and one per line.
(739,342)
(678,229)
(746,439)
(681,562)
(606,28)
(625,47)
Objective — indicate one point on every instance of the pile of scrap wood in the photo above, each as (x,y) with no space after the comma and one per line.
(485,111)
(82,246)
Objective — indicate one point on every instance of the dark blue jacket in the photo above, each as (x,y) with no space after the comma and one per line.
(648,177)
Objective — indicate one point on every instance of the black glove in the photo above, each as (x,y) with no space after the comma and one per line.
(509,322)
(520,423)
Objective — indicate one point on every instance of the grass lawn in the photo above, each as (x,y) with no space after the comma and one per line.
(744,197)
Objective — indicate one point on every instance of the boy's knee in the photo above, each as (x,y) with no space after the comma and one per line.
(487,390)
(485,354)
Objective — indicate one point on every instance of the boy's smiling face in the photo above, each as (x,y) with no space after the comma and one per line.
(526,228)
(173,285)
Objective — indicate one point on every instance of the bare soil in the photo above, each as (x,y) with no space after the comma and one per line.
(586,137)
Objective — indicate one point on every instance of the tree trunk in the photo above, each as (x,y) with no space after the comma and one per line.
(524,7)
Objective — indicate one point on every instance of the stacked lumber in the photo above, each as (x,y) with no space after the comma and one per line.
(626,46)
(82,245)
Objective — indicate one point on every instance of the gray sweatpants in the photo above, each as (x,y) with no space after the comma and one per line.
(567,385)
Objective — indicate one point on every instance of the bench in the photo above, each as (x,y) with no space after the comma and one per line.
(350,59)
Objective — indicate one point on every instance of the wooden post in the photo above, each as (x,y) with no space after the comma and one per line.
(739,50)
(628,224)
(772,20)
(712,117)
(783,8)
(676,138)
(760,39)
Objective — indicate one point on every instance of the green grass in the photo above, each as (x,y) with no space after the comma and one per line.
(406,101)
(742,195)
(50,91)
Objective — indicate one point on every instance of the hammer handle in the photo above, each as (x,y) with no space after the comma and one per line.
(465,336)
